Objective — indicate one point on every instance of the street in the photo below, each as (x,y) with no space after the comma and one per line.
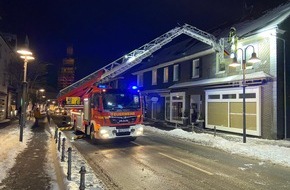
(155,161)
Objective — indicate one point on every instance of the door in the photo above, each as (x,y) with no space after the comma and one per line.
(195,107)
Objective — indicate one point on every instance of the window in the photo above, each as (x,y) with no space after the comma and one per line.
(248,95)
(140,80)
(220,64)
(154,77)
(95,101)
(175,72)
(195,68)
(165,74)
(229,96)
(214,96)
(177,102)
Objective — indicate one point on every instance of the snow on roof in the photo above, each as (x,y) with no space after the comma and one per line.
(215,81)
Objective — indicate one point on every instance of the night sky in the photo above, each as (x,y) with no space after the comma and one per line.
(101,31)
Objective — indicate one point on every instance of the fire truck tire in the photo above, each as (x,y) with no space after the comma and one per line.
(75,126)
(132,138)
(92,132)
(87,131)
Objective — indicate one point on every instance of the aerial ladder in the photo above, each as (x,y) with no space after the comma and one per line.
(119,66)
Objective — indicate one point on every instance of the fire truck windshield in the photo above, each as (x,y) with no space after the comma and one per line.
(121,101)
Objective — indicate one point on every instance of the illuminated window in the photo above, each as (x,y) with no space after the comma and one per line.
(165,74)
(175,72)
(195,68)
(154,77)
(177,102)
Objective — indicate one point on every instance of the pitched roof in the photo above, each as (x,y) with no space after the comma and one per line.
(185,46)
(270,19)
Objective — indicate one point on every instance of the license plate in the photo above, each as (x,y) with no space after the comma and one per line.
(123,130)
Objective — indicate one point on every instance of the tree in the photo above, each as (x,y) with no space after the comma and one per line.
(36,76)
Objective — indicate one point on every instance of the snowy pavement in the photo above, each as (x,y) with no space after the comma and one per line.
(275,151)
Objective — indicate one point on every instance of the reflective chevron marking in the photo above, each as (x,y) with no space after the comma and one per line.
(65,128)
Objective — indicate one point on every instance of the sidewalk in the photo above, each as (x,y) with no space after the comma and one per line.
(30,171)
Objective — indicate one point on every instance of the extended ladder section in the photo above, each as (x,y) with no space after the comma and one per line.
(133,58)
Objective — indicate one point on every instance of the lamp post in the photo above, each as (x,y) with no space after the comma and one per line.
(26,55)
(253,59)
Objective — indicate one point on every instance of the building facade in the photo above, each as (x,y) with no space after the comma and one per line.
(186,83)
(66,74)
(8,89)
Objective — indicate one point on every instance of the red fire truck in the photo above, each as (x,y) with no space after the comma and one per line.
(107,113)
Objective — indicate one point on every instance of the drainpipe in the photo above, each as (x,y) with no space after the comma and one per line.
(284,87)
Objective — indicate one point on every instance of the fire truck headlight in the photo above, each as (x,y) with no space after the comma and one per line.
(104,133)
(139,131)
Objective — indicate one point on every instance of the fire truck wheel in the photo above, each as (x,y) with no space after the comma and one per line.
(92,133)
(132,138)
(75,126)
(87,131)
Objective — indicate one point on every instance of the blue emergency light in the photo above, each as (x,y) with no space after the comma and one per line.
(134,87)
(102,86)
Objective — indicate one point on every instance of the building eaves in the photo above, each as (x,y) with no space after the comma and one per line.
(224,80)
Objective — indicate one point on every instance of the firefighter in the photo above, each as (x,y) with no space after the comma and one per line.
(37,116)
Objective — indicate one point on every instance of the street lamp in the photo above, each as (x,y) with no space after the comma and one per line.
(26,55)
(253,59)
(39,94)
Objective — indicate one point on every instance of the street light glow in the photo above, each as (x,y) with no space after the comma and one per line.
(24,52)
(254,58)
(27,57)
(234,63)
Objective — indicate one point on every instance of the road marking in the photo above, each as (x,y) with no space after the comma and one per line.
(136,143)
(197,168)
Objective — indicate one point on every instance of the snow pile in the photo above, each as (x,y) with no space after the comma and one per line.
(91,181)
(11,147)
(266,150)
